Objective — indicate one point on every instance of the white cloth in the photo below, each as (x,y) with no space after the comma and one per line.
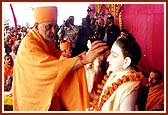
(123,98)
(13,55)
(90,76)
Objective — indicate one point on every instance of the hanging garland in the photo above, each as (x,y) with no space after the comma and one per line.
(138,76)
(120,21)
(110,8)
(98,8)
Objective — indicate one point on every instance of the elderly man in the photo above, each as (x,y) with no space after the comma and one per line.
(39,74)
(155,99)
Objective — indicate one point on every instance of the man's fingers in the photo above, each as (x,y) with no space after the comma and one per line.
(83,53)
(98,47)
(98,44)
(99,50)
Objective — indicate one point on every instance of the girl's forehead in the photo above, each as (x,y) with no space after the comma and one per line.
(115,48)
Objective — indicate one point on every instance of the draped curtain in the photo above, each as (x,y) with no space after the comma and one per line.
(98,7)
(146,23)
(110,8)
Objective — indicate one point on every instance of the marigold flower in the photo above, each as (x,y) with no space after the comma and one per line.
(119,81)
(99,108)
(142,76)
(137,79)
(99,91)
(134,75)
(105,91)
(103,81)
(101,103)
(96,96)
(100,86)
(106,77)
(130,78)
(104,97)
(95,101)
(107,96)
(110,89)
(110,72)
(115,86)
(138,73)
(124,79)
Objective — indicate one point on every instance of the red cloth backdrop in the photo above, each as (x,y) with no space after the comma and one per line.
(146,23)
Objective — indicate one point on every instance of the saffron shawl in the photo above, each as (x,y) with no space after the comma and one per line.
(38,75)
(155,97)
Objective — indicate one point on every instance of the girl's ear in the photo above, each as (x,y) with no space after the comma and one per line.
(127,62)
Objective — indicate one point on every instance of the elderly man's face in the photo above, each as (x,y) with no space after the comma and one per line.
(47,30)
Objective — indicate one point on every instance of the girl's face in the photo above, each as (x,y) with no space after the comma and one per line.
(115,59)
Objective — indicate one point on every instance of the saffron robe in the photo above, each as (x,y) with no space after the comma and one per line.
(7,72)
(155,97)
(38,74)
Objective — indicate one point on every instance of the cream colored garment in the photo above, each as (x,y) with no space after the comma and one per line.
(90,75)
(120,96)
(122,93)
(13,56)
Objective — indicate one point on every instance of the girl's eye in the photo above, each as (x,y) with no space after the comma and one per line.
(114,55)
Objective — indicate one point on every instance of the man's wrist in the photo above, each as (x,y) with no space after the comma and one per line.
(82,60)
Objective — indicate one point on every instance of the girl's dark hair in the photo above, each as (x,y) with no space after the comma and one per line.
(124,30)
(130,48)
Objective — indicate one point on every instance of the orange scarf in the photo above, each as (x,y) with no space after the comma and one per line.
(155,97)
